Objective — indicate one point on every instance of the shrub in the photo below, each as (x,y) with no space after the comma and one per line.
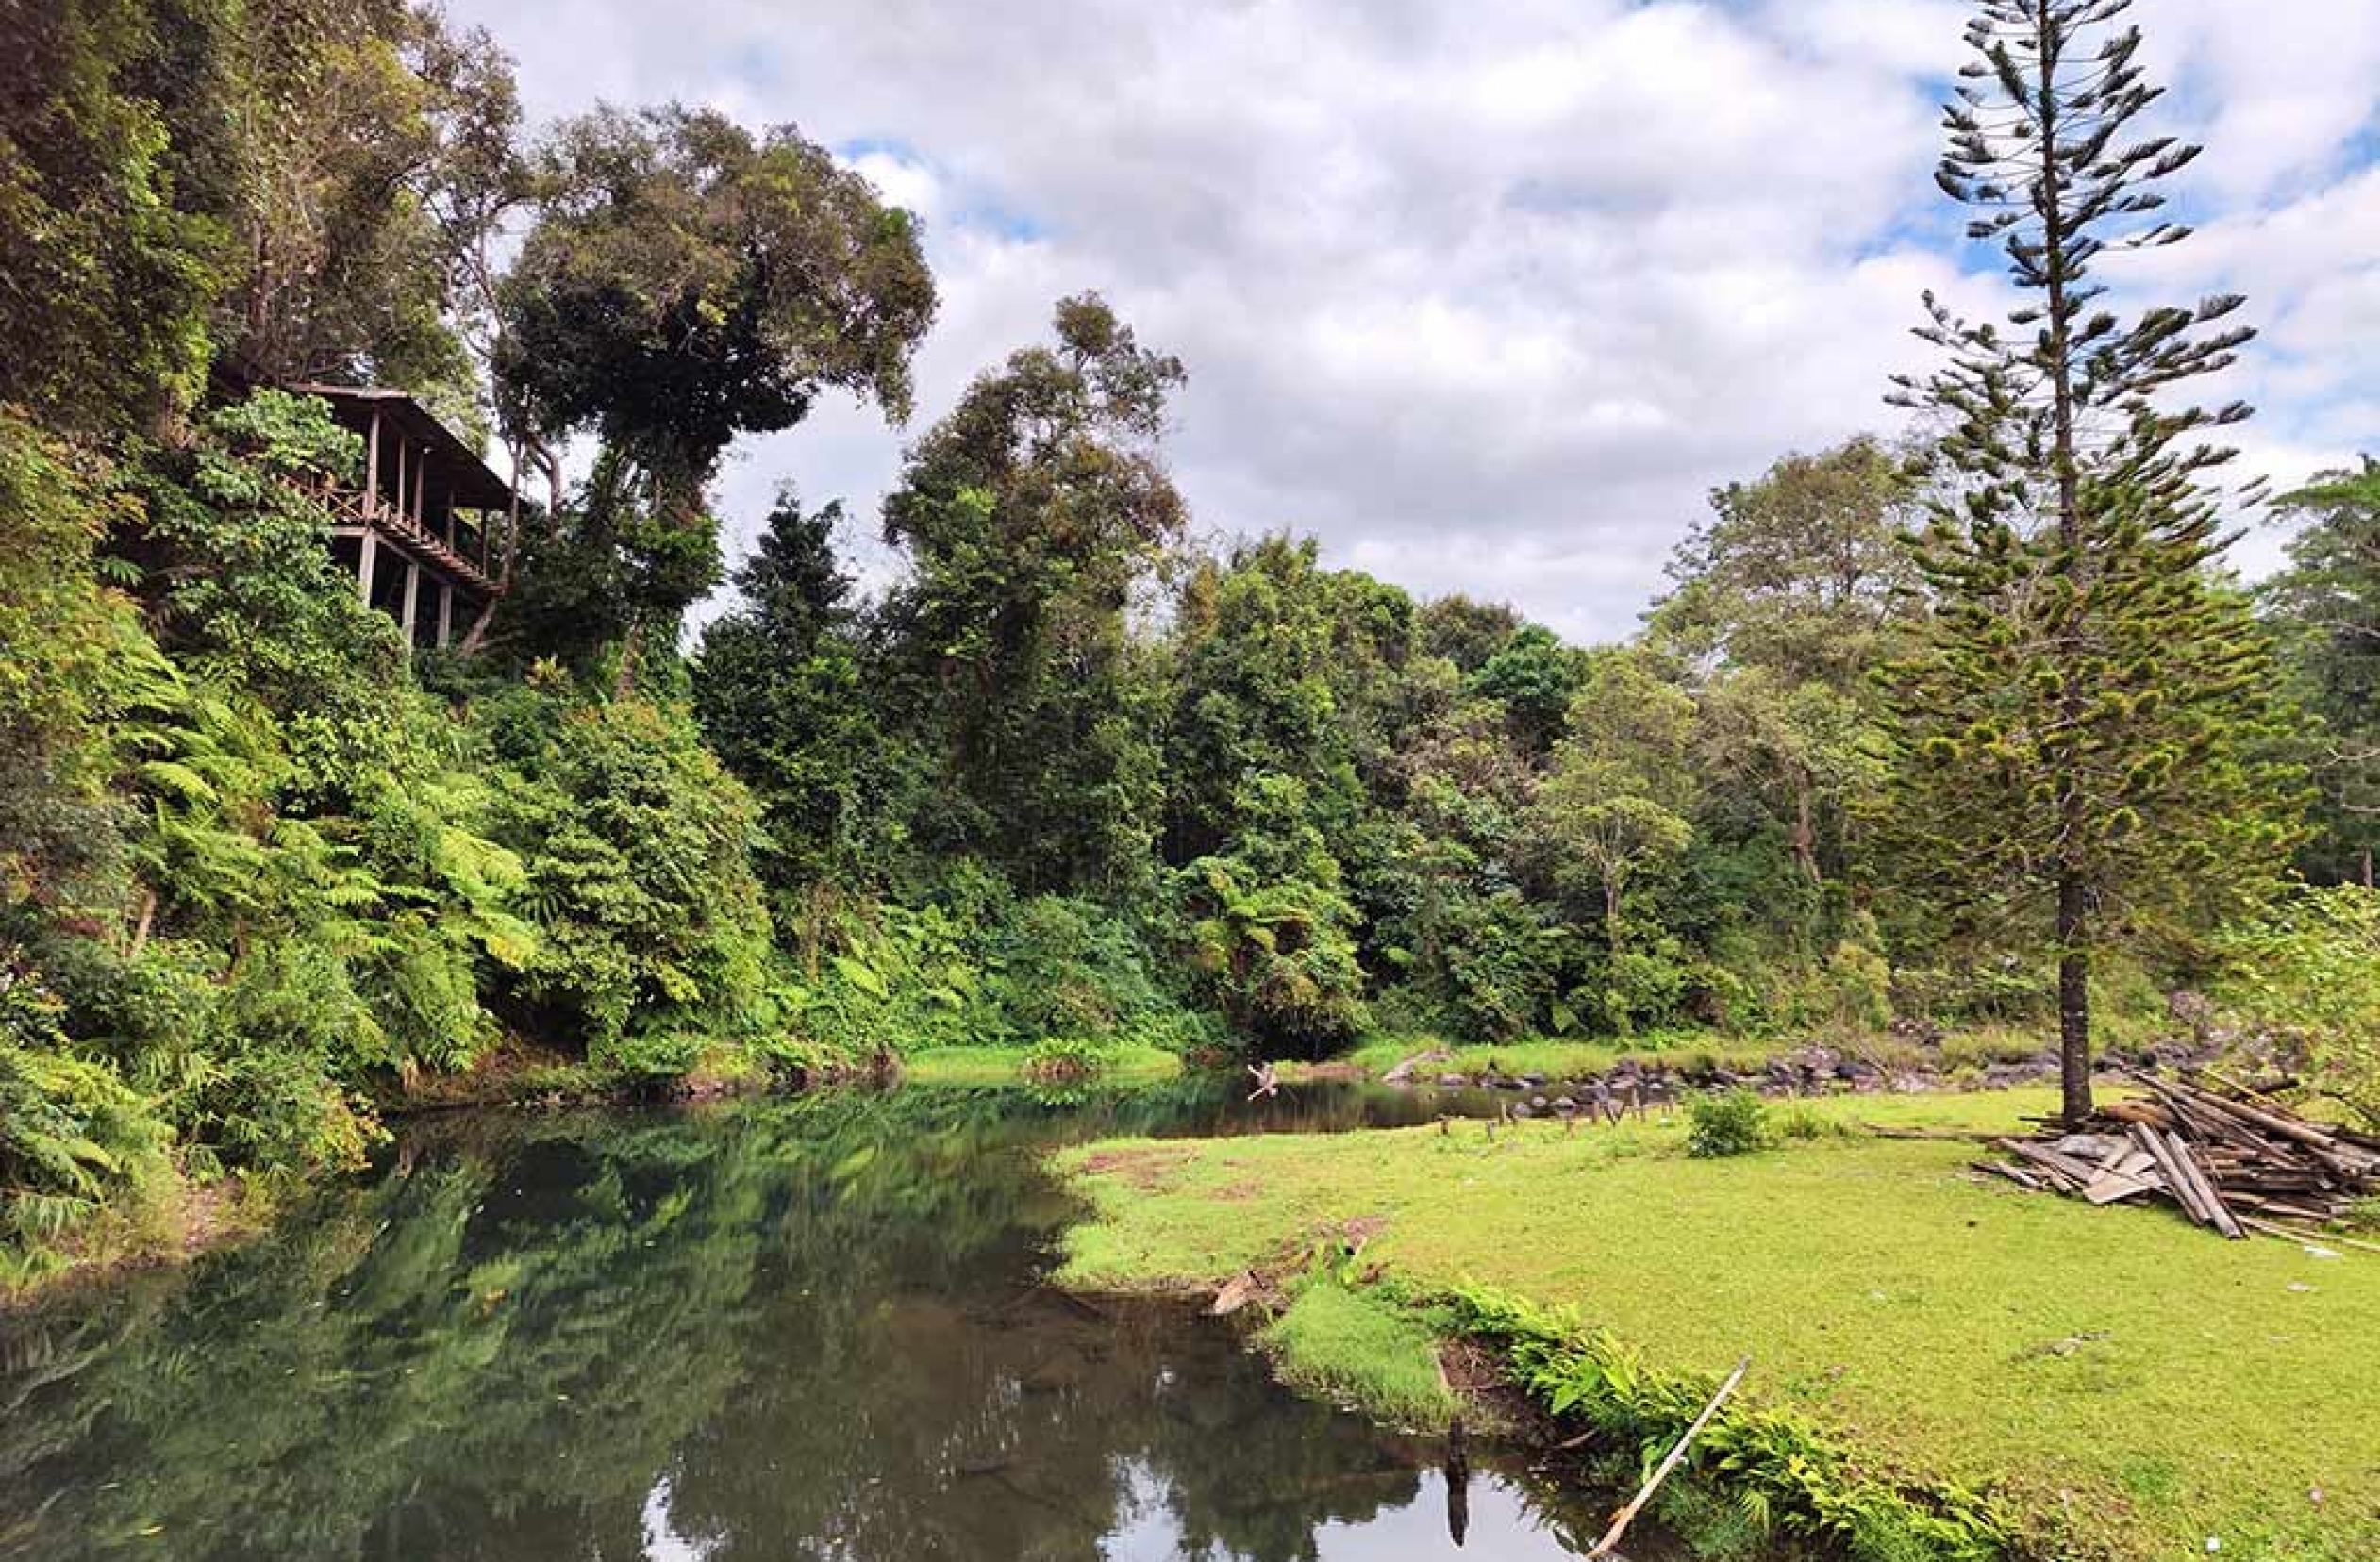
(1277,957)
(635,847)
(72,1134)
(1786,1474)
(1801,1123)
(2306,977)
(1859,984)
(1732,1124)
(1063,1061)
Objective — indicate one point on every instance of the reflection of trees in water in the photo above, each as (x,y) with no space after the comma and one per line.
(811,1317)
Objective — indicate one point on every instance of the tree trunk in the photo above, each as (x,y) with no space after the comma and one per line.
(624,683)
(477,636)
(1805,831)
(2073,999)
(2074,954)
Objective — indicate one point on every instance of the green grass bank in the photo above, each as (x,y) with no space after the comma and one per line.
(1686,1051)
(2120,1384)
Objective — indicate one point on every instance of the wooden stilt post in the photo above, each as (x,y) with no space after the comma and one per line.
(446,613)
(412,597)
(367,562)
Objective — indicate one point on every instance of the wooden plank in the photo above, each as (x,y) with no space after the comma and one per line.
(2176,1184)
(2208,1195)
(2114,1186)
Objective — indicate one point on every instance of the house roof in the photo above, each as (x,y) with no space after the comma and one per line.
(452,464)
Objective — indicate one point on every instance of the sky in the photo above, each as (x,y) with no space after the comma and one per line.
(1488,294)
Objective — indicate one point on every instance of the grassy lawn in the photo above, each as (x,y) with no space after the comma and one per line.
(2134,1385)
(1375,1055)
(1006,1066)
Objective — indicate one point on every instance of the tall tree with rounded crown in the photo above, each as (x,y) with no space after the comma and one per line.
(2081,732)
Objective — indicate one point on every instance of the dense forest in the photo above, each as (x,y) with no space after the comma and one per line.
(1965,724)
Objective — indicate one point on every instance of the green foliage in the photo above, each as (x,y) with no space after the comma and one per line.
(687,282)
(780,688)
(1266,929)
(112,262)
(2089,718)
(1785,1474)
(651,927)
(65,638)
(977,966)
(1729,1123)
(1031,514)
(366,156)
(72,1134)
(1063,1061)
(2306,979)
(1533,675)
(2326,608)
(1613,806)
(1356,1346)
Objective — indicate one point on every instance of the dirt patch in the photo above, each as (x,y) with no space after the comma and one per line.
(185,1221)
(1239,1192)
(1147,1169)
(1493,1404)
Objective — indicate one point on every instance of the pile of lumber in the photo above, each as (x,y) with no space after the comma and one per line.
(2233,1161)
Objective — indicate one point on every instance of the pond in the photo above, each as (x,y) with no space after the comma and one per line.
(786,1328)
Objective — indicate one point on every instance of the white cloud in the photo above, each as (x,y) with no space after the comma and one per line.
(1487,296)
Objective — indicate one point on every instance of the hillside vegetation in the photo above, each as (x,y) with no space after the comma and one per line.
(1924,734)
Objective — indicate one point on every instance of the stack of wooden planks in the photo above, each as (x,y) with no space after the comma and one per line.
(2232,1160)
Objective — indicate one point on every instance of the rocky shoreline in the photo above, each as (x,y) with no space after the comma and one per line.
(1655,1082)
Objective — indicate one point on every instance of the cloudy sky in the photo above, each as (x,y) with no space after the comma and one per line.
(1489,294)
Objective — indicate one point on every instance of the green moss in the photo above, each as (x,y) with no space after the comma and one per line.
(2129,1383)
(1359,1348)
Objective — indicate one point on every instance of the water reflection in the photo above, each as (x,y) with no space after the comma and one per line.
(798,1328)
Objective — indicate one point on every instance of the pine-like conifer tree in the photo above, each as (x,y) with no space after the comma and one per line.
(2081,734)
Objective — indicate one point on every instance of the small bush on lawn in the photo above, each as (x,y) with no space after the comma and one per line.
(1734,1123)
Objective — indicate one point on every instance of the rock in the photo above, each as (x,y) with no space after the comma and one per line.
(1233,1295)
(1521,1109)
(1453,1080)
(1405,1071)
(1565,1105)
(1537,1102)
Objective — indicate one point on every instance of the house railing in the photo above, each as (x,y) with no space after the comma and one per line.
(349,507)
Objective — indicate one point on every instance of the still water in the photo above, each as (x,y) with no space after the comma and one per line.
(799,1328)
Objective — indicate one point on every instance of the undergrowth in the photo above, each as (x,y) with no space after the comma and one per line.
(1783,1474)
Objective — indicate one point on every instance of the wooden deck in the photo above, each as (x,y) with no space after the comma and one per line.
(350,509)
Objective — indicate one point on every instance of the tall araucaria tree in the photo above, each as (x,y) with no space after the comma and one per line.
(2082,732)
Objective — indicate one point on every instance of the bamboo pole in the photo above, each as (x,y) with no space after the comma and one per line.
(1627,1516)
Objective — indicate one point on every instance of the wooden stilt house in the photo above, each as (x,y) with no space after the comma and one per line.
(425,534)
